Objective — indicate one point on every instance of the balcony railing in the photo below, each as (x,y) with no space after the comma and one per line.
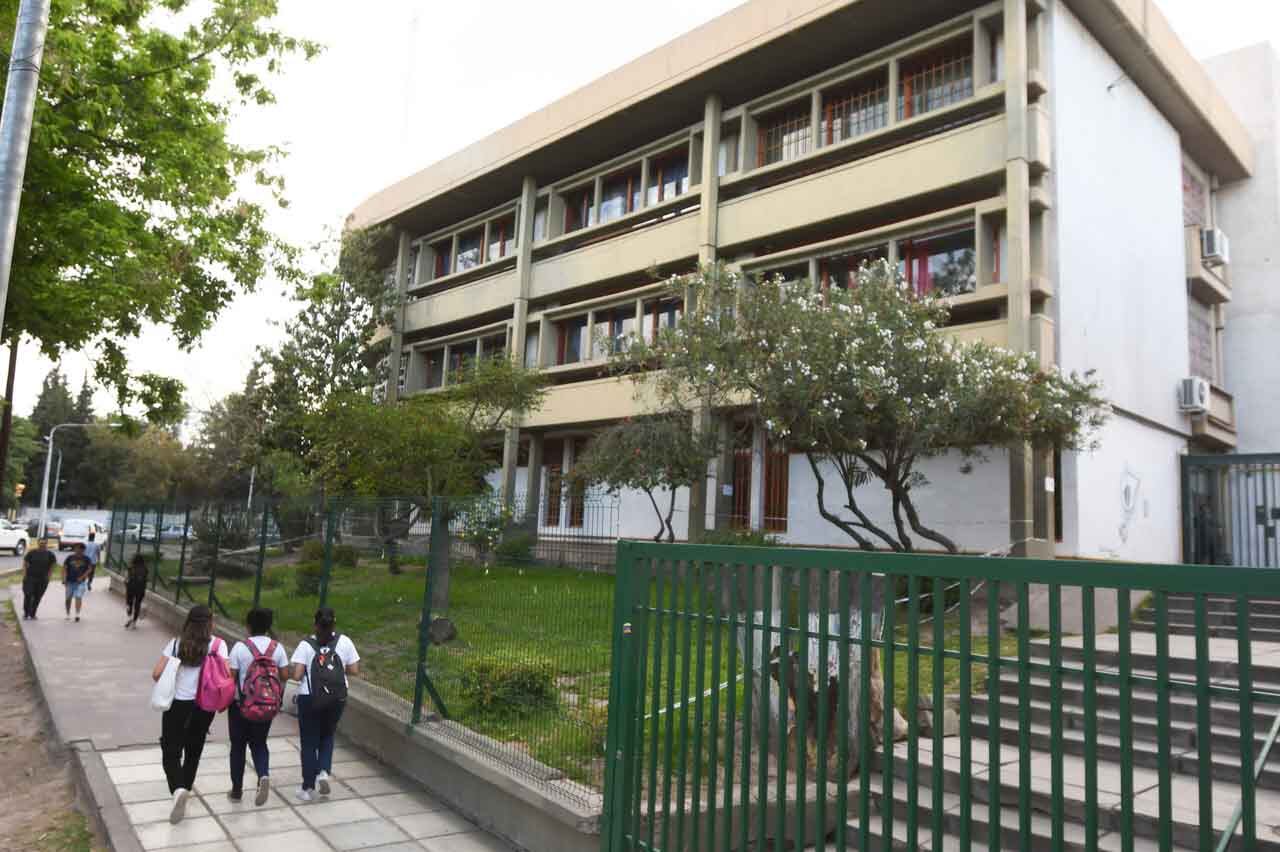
(1217,428)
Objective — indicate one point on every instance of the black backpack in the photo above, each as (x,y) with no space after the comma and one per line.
(327,677)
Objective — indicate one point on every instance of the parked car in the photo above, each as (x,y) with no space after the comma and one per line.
(76,531)
(173,532)
(52,530)
(131,532)
(148,532)
(13,537)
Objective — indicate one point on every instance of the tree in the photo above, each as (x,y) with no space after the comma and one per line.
(865,382)
(54,405)
(23,446)
(150,466)
(138,207)
(650,454)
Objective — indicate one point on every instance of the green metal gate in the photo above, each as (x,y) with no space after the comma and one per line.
(746,708)
(1231,510)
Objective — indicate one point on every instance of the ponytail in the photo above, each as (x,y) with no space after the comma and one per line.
(325,620)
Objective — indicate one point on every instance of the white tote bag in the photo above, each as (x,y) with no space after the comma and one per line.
(166,687)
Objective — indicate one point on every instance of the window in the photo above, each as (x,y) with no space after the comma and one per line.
(996,57)
(784,135)
(936,79)
(412,272)
(461,357)
(443,252)
(614,329)
(540,220)
(571,340)
(579,209)
(841,270)
(531,357)
(942,263)
(577,487)
(494,346)
(620,195)
(661,313)
(668,176)
(469,245)
(999,252)
(502,237)
(434,360)
(553,452)
(727,156)
(855,109)
(403,372)
(790,275)
(777,473)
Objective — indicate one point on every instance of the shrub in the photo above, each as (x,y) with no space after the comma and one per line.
(740,538)
(272,578)
(345,556)
(517,547)
(482,524)
(308,577)
(593,720)
(312,550)
(505,687)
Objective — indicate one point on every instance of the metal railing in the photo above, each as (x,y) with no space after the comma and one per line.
(751,698)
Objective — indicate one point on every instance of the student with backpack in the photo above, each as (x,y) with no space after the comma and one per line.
(321,663)
(135,589)
(202,688)
(259,666)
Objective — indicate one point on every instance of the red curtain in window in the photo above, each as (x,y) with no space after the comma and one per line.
(777,472)
(577,488)
(915,257)
(554,452)
(740,519)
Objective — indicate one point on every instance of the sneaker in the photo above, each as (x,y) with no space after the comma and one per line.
(127,624)
(235,795)
(322,783)
(179,806)
(264,790)
(304,795)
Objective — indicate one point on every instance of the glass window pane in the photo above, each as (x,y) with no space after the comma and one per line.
(540,220)
(841,270)
(668,177)
(531,348)
(661,313)
(727,157)
(469,249)
(942,263)
(572,340)
(443,264)
(502,236)
(435,368)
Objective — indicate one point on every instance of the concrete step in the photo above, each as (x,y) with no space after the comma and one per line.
(1224,603)
(1256,633)
(1216,618)
(1143,662)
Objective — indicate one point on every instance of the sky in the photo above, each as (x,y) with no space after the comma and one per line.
(403,83)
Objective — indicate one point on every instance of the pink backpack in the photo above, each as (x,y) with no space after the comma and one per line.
(263,694)
(216,689)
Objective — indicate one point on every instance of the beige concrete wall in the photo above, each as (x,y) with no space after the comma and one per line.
(478,297)
(625,254)
(597,400)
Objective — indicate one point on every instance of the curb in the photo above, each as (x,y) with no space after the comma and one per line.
(93,785)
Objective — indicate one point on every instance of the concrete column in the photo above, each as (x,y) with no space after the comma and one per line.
(397,324)
(520,324)
(758,441)
(698,496)
(533,493)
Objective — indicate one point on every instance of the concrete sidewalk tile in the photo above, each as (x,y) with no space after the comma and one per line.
(159,835)
(258,822)
(379,785)
(362,835)
(213,777)
(476,841)
(303,840)
(135,774)
(355,769)
(344,754)
(216,846)
(144,812)
(130,757)
(332,813)
(285,757)
(403,804)
(218,803)
(404,846)
(144,791)
(434,824)
(337,793)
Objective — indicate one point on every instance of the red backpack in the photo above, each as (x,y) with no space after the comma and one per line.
(262,694)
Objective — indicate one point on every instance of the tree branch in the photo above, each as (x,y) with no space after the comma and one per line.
(847,476)
(843,525)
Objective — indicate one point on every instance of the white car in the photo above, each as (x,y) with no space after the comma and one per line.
(13,537)
(76,531)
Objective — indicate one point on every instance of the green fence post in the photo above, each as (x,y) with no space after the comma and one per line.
(124,526)
(182,555)
(262,555)
(155,552)
(217,547)
(330,525)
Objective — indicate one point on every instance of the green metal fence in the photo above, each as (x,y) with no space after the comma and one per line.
(752,688)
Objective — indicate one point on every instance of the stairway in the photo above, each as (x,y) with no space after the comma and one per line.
(1221,617)
(1183,751)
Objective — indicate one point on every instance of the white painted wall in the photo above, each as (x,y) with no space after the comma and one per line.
(1122,303)
(1249,212)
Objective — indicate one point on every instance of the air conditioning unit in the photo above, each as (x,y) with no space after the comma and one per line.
(1215,248)
(1193,395)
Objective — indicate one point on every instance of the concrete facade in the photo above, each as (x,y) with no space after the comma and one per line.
(726,145)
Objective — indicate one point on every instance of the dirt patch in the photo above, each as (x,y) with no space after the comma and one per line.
(37,808)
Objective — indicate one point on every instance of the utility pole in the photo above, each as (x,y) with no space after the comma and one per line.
(15,126)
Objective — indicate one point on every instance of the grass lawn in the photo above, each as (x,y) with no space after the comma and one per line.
(979,647)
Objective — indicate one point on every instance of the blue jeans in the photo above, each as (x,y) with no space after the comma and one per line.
(253,735)
(316,729)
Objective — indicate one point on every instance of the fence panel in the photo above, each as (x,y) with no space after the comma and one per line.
(1231,510)
(769,698)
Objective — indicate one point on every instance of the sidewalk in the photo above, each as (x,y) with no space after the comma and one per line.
(95,678)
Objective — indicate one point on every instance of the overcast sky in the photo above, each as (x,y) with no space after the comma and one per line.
(403,83)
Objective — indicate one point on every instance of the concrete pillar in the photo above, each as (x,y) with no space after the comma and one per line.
(1027,473)
(698,496)
(397,323)
(519,327)
(533,493)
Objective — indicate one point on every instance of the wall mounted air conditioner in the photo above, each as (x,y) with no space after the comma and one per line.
(1215,248)
(1193,395)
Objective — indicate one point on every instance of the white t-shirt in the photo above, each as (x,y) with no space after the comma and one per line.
(189,676)
(304,654)
(242,657)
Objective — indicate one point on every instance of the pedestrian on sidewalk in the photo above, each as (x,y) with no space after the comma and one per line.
(77,574)
(135,589)
(91,551)
(184,726)
(37,568)
(321,663)
(259,664)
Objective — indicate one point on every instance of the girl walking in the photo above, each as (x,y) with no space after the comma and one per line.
(259,664)
(184,726)
(321,663)
(135,589)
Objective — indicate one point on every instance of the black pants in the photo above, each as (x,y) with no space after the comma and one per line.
(245,734)
(316,730)
(183,728)
(33,589)
(134,592)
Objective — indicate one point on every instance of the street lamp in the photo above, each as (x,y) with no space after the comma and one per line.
(48,459)
(57,480)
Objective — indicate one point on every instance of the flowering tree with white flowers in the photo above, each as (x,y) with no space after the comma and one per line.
(864,382)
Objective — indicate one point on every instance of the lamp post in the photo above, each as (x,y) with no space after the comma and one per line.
(57,480)
(48,459)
